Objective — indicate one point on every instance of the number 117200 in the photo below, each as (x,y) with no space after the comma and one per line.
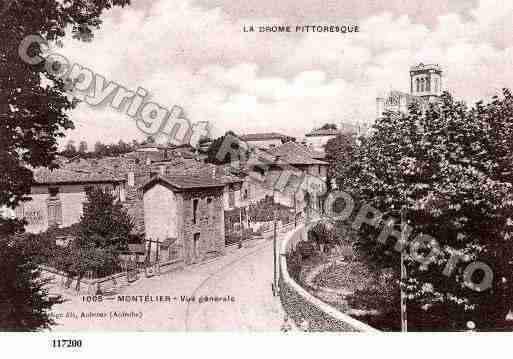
(66,343)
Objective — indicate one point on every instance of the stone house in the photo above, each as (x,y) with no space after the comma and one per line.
(57,197)
(186,211)
(310,185)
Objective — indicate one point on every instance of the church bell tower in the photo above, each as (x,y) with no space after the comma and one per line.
(426,81)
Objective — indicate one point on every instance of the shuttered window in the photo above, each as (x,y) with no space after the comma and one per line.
(54,207)
(54,213)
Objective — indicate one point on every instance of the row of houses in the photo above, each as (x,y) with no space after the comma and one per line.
(315,140)
(172,195)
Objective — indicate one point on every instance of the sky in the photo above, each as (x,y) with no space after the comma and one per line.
(195,54)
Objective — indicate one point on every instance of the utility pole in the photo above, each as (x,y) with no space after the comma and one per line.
(275,285)
(275,281)
(295,211)
(404,319)
(240,226)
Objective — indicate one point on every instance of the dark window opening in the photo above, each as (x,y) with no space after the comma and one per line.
(210,208)
(195,211)
(259,170)
(54,192)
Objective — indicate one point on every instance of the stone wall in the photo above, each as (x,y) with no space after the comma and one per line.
(308,312)
(209,224)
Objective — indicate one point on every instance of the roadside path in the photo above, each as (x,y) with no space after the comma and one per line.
(243,276)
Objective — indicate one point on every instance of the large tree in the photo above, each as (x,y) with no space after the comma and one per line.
(104,223)
(450,171)
(214,150)
(34,112)
(341,153)
(33,115)
(24,298)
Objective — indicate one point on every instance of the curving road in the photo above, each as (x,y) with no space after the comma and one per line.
(248,280)
(242,278)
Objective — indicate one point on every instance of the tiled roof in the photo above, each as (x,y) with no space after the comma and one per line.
(185,182)
(262,136)
(322,132)
(143,155)
(318,155)
(294,154)
(66,175)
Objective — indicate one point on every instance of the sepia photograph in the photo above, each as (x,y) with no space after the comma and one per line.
(283,167)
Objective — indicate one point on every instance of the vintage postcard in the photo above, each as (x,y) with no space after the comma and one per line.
(256,166)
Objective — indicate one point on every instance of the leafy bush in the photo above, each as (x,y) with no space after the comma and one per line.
(323,235)
(235,237)
(305,249)
(263,211)
(95,242)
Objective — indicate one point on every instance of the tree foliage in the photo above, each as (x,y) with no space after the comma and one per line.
(340,153)
(450,170)
(322,234)
(24,298)
(34,115)
(213,151)
(328,126)
(104,223)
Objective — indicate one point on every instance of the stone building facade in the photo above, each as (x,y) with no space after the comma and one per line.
(57,197)
(187,212)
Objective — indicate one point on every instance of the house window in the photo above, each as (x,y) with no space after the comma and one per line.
(54,207)
(210,208)
(19,212)
(418,85)
(259,170)
(131,179)
(195,211)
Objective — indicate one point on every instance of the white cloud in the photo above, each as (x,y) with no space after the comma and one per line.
(199,57)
